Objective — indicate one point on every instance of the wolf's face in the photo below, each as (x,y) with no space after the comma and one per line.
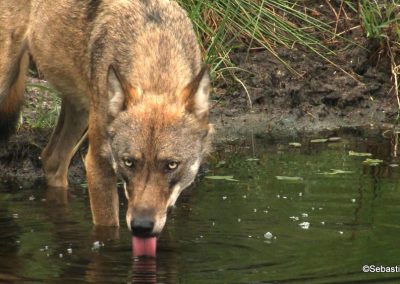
(156,145)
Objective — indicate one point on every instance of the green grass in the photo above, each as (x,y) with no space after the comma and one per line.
(44,112)
(380,21)
(224,26)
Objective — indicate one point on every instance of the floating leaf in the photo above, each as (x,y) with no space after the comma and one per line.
(295,144)
(319,140)
(228,178)
(289,178)
(358,154)
(336,172)
(334,139)
(372,162)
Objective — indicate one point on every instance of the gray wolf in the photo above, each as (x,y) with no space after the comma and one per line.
(130,73)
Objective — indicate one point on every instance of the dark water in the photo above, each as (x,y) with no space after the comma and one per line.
(321,228)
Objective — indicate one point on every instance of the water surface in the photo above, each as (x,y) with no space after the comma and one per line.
(332,216)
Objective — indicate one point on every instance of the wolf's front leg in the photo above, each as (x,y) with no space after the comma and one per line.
(103,193)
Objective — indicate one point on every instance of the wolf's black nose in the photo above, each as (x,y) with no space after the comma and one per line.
(142,227)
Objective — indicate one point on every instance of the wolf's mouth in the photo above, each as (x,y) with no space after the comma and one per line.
(144,246)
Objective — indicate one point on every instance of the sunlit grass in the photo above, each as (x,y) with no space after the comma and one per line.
(46,109)
(380,21)
(224,26)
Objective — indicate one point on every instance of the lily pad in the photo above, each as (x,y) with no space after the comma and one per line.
(323,140)
(334,139)
(359,154)
(227,178)
(336,172)
(372,162)
(295,144)
(289,178)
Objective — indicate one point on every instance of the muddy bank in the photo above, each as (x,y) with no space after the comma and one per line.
(280,102)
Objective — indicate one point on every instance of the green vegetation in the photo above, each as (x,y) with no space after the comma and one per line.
(380,21)
(226,25)
(44,111)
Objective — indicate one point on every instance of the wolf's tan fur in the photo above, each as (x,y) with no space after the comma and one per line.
(130,72)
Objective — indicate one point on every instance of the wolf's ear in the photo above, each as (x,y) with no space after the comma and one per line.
(120,95)
(196,93)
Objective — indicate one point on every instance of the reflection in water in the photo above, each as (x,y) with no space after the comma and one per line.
(105,233)
(144,270)
(226,232)
(57,195)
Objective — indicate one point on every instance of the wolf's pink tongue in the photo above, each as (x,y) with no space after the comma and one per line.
(144,246)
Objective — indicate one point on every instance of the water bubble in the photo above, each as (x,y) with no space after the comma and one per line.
(69,250)
(305,225)
(224,197)
(268,235)
(97,245)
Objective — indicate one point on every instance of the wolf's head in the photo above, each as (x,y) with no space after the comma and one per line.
(156,143)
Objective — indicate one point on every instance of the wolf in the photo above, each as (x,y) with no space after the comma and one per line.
(131,75)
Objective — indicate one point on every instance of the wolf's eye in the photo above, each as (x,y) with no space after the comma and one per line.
(172,165)
(128,162)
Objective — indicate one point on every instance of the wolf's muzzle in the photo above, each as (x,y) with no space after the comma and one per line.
(142,227)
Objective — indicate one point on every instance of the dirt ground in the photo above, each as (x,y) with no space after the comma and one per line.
(319,98)
(323,98)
